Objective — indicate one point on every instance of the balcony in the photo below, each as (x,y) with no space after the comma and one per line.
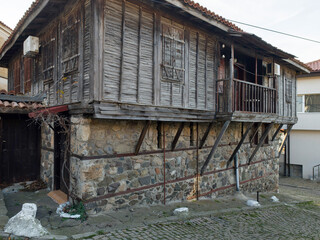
(239,96)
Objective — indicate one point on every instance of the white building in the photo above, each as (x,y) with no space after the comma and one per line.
(304,143)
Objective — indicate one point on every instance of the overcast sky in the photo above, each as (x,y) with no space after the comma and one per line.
(295,17)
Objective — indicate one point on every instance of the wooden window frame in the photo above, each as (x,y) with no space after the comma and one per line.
(173,51)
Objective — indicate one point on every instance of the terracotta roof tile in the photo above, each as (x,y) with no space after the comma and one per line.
(211,14)
(6,104)
(315,65)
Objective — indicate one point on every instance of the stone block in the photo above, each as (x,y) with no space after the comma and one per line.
(145,180)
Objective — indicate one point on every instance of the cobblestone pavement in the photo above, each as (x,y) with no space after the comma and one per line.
(297,221)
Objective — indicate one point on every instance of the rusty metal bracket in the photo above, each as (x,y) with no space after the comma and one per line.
(276,132)
(204,138)
(261,140)
(142,136)
(176,138)
(215,146)
(240,143)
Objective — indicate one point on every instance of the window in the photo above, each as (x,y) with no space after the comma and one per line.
(288,90)
(312,103)
(70,44)
(300,103)
(172,52)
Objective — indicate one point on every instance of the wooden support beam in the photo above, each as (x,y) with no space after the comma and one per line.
(204,138)
(256,132)
(176,138)
(261,140)
(215,146)
(230,87)
(142,136)
(240,143)
(276,132)
(289,127)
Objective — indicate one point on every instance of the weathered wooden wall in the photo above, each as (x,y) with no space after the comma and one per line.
(133,60)
(286,106)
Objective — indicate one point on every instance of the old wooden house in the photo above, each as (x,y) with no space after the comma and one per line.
(162,96)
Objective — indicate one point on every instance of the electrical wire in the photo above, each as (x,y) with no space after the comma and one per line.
(274,31)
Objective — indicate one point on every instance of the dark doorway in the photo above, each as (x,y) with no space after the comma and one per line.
(20,149)
(61,152)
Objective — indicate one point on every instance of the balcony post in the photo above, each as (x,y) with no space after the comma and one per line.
(230,95)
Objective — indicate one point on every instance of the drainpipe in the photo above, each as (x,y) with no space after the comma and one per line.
(237,172)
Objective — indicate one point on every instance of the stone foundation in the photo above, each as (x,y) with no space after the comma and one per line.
(106,174)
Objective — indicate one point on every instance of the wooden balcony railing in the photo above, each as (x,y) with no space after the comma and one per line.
(246,97)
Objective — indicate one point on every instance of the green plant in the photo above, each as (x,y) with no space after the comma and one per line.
(78,209)
(100,232)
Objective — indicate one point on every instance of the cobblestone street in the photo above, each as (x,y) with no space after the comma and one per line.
(295,221)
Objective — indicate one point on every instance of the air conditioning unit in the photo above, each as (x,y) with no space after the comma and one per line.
(276,69)
(273,69)
(31,46)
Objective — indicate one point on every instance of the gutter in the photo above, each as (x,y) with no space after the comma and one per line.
(296,65)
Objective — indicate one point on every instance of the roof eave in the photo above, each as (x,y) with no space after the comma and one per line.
(17,32)
(302,68)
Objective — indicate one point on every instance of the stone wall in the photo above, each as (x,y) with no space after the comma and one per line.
(47,155)
(106,174)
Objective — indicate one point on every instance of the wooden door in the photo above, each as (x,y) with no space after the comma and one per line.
(61,169)
(20,149)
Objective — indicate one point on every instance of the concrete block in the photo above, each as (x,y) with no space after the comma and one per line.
(83,235)
(50,237)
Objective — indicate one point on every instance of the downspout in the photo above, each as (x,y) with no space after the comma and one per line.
(236,162)
(164,165)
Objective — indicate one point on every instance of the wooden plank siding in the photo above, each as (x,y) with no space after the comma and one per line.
(131,54)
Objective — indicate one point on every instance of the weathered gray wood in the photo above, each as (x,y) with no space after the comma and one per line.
(156,58)
(276,132)
(197,71)
(177,136)
(215,146)
(205,136)
(261,141)
(186,64)
(240,143)
(142,136)
(230,87)
(123,29)
(139,55)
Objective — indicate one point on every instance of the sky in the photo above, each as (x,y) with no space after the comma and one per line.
(295,17)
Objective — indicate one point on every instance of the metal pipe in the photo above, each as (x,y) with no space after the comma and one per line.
(197,161)
(289,162)
(164,165)
(237,172)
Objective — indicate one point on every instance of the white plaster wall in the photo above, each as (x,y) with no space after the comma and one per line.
(309,85)
(305,150)
(308,121)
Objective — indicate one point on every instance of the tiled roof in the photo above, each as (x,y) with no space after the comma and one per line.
(208,13)
(7,105)
(5,26)
(305,65)
(315,65)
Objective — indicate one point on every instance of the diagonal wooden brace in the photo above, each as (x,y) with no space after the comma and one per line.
(240,143)
(204,138)
(255,132)
(176,138)
(276,132)
(289,127)
(215,146)
(261,140)
(142,136)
